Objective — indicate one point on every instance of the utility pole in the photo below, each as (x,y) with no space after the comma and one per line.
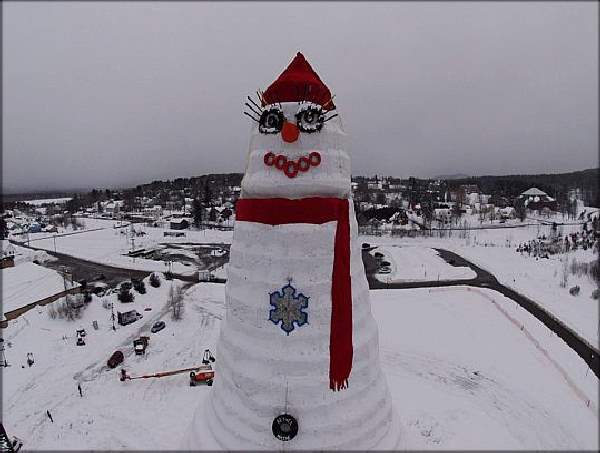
(3,361)
(112,316)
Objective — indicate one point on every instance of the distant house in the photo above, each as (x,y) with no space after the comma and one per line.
(537,200)
(113,208)
(179,224)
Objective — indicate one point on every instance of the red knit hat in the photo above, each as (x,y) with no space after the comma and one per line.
(299,82)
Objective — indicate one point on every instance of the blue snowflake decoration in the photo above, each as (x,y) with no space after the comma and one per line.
(288,308)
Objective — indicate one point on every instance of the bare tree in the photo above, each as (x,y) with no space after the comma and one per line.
(176,302)
(564,277)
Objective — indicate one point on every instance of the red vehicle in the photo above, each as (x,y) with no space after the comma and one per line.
(115,359)
(204,375)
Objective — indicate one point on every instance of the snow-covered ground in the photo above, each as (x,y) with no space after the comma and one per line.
(411,263)
(141,414)
(464,375)
(29,282)
(110,245)
(466,368)
(539,279)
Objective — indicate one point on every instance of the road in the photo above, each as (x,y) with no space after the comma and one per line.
(90,271)
(484,279)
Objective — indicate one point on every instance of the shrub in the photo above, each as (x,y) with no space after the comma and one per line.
(176,302)
(126,286)
(168,276)
(52,312)
(125,295)
(139,286)
(155,280)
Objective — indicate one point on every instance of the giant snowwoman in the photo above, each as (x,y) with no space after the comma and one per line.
(298,355)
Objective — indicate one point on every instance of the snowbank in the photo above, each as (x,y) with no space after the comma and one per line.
(27,283)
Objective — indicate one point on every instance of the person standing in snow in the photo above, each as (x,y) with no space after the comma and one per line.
(79,388)
(49,415)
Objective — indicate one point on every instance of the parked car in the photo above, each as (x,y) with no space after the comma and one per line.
(158,326)
(115,359)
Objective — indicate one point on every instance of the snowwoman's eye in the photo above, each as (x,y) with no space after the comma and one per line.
(310,117)
(271,121)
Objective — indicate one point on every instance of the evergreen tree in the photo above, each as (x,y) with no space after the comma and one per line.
(3,228)
(197,212)
(207,195)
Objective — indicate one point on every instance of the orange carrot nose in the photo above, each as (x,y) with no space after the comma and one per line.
(289,132)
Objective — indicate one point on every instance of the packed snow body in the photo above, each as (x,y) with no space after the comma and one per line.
(269,366)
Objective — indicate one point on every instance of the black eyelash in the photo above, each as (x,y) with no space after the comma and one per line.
(255,104)
(254,119)
(252,108)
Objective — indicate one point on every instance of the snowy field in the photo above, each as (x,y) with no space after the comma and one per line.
(466,369)
(27,283)
(464,375)
(415,264)
(494,251)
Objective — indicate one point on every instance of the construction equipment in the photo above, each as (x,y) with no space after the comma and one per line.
(204,375)
(207,357)
(80,334)
(125,376)
(140,345)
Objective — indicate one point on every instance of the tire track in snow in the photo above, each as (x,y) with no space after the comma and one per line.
(578,392)
(495,398)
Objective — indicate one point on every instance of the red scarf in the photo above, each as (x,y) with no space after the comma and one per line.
(279,211)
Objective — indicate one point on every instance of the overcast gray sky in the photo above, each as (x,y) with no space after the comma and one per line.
(117,94)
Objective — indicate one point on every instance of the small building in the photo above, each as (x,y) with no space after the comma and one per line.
(179,224)
(536,199)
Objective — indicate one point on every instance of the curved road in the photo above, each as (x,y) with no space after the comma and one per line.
(486,280)
(90,271)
